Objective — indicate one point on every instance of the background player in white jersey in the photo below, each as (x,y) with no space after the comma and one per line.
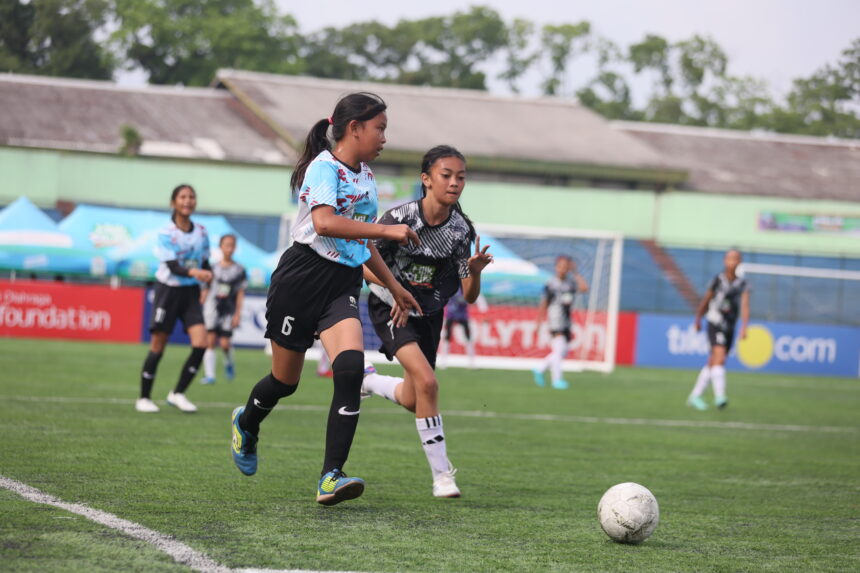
(315,287)
(728,295)
(556,308)
(183,248)
(222,308)
(433,272)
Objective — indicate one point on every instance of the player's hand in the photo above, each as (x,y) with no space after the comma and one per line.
(237,319)
(698,326)
(201,275)
(404,302)
(480,259)
(402,234)
(743,332)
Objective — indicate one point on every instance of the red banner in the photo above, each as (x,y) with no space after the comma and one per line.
(512,331)
(37,309)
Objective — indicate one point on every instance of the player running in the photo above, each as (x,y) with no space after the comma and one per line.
(727,296)
(556,308)
(314,289)
(183,248)
(222,308)
(433,272)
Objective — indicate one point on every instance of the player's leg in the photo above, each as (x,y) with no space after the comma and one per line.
(226,340)
(702,381)
(718,374)
(157,344)
(345,342)
(324,365)
(209,358)
(197,333)
(470,342)
(559,351)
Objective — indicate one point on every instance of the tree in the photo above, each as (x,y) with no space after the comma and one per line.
(517,57)
(186,41)
(562,43)
(54,38)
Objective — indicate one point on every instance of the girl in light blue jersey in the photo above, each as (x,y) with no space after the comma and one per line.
(183,248)
(314,290)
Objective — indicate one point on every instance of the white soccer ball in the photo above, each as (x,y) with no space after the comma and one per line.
(628,513)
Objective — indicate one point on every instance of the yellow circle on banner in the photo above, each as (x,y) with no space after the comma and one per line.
(756,349)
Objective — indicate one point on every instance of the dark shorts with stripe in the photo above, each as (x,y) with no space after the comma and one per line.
(309,294)
(426,330)
(172,303)
(721,336)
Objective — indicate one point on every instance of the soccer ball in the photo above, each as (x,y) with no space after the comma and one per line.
(628,513)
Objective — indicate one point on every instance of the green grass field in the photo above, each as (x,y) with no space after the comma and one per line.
(770,484)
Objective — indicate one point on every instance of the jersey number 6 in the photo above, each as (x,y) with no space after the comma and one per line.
(287,328)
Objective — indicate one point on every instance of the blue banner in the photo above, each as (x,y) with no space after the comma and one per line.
(789,348)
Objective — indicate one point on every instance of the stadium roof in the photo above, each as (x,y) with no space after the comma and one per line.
(173,122)
(757,163)
(543,136)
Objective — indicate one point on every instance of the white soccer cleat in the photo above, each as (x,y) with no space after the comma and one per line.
(146,406)
(444,484)
(369,368)
(180,401)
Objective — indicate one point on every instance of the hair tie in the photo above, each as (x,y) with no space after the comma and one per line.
(330,122)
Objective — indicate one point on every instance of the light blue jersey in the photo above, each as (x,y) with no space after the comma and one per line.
(329,182)
(190,249)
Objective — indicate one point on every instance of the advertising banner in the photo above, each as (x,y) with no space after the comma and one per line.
(789,348)
(42,309)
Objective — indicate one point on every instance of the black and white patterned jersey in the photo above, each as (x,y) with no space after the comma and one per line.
(431,271)
(559,295)
(226,283)
(725,304)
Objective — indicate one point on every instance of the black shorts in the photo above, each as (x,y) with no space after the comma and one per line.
(449,328)
(425,330)
(568,335)
(307,295)
(170,303)
(721,336)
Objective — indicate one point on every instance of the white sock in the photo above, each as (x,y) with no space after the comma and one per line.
(702,381)
(442,359)
(382,385)
(559,349)
(718,373)
(228,355)
(433,440)
(470,351)
(209,363)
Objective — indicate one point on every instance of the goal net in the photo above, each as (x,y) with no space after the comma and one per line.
(503,330)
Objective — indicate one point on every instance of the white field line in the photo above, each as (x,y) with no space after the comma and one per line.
(498,415)
(180,552)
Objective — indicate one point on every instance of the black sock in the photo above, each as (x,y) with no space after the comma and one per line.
(189,369)
(263,398)
(147,375)
(348,369)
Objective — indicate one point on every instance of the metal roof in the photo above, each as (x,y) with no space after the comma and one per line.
(757,163)
(172,121)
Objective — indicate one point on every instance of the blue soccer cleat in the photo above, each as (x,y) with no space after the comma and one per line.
(244,448)
(335,487)
(560,384)
(229,370)
(206,380)
(697,403)
(538,374)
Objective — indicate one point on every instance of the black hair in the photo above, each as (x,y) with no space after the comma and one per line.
(359,106)
(226,236)
(175,193)
(564,257)
(429,159)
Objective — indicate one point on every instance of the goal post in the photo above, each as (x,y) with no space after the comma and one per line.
(524,259)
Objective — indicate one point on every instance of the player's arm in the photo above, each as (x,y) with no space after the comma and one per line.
(581,283)
(327,223)
(745,313)
(204,293)
(477,262)
(240,300)
(403,300)
(703,305)
(541,311)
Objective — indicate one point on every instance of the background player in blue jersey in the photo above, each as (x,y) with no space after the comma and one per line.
(556,307)
(183,248)
(315,287)
(727,297)
(222,308)
(433,271)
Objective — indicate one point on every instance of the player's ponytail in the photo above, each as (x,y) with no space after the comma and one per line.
(430,158)
(359,106)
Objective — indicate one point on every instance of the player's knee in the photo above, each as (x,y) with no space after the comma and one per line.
(427,384)
(349,366)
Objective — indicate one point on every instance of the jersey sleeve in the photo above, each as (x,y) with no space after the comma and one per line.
(320,184)
(384,246)
(462,257)
(243,280)
(715,282)
(165,248)
(206,248)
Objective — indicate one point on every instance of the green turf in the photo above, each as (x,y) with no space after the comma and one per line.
(779,494)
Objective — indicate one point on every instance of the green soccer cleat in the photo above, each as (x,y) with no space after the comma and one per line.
(538,375)
(697,403)
(560,384)
(721,402)
(335,487)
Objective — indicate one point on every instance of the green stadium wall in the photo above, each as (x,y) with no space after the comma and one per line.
(679,218)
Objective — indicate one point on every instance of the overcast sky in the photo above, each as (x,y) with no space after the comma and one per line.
(776,40)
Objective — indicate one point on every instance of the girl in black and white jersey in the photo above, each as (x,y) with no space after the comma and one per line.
(433,272)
